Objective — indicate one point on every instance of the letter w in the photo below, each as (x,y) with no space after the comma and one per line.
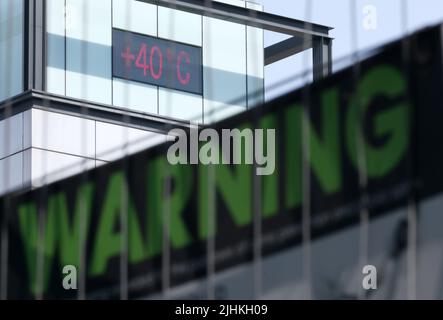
(57,233)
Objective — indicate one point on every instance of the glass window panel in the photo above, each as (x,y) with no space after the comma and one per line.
(180,26)
(180,105)
(135,16)
(89,41)
(138,96)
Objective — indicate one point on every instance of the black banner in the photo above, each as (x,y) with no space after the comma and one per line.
(379,122)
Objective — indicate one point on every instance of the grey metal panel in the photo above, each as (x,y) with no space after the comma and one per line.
(35,44)
(322,57)
(249,17)
(94,111)
(318,35)
(286,48)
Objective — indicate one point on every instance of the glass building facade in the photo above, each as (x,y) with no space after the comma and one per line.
(11,47)
(79,61)
(74,55)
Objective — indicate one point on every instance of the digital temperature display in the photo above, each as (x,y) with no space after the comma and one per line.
(156,61)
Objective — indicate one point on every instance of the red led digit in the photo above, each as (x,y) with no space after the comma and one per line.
(157,50)
(141,61)
(184,81)
(128,57)
(169,55)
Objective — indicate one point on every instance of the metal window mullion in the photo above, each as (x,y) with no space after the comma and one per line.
(8,113)
(412,204)
(34,45)
(212,194)
(322,57)
(257,205)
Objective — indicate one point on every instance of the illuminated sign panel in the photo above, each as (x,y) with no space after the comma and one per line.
(157,61)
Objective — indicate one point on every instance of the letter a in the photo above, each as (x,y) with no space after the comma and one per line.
(178,151)
(70,280)
(370,280)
